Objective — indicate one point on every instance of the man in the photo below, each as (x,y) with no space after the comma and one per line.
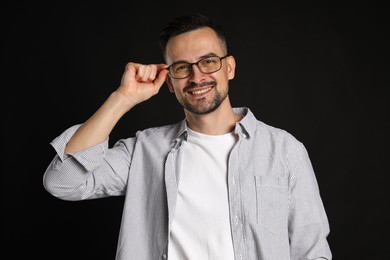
(218,185)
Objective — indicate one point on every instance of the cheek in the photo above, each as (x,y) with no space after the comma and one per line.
(177,89)
(178,85)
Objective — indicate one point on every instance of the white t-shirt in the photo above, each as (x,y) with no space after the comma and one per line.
(201,226)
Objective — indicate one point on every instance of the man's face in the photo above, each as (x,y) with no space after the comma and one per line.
(199,93)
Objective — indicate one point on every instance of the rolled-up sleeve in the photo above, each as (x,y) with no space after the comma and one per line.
(91,173)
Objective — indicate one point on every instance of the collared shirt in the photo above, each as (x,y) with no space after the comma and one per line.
(276,211)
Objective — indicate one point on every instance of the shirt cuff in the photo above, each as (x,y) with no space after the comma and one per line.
(90,158)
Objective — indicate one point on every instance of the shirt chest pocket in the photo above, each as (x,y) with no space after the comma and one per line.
(272,202)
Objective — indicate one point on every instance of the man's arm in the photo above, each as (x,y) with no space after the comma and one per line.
(139,83)
(308,223)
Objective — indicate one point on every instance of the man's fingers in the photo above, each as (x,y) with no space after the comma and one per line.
(146,73)
(162,74)
(153,75)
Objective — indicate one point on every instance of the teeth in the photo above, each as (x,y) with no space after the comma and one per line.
(201,91)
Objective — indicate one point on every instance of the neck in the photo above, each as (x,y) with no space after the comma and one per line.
(219,122)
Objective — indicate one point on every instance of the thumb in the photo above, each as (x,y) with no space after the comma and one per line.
(162,75)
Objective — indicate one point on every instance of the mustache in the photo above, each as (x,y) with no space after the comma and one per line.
(194,85)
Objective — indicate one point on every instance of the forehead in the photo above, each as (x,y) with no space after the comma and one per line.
(191,45)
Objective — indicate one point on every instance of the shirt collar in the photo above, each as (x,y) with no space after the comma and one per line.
(247,125)
(181,130)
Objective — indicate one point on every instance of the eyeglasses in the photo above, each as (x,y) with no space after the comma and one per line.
(181,70)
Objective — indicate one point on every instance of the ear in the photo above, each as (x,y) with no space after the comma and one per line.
(231,67)
(169,83)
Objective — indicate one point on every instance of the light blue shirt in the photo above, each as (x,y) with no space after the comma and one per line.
(276,211)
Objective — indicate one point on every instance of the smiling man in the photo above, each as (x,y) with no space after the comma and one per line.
(220,184)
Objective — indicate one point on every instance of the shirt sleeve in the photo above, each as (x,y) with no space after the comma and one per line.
(91,173)
(308,223)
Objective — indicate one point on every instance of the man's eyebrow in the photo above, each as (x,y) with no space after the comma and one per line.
(210,54)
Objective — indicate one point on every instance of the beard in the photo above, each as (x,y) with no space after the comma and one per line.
(205,107)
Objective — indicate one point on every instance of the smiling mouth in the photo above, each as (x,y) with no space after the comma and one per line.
(200,92)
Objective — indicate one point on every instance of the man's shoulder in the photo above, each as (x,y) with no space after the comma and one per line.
(275,134)
(279,140)
(168,131)
(272,129)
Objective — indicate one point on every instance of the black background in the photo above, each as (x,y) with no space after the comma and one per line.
(317,70)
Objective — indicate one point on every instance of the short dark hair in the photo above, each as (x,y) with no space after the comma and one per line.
(190,22)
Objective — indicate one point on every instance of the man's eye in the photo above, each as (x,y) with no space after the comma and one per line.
(208,61)
(181,67)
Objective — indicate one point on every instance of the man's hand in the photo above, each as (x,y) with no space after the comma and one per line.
(140,82)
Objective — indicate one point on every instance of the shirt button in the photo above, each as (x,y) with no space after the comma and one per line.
(164,256)
(234,180)
(236,220)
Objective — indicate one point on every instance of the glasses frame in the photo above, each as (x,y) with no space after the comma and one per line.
(197,64)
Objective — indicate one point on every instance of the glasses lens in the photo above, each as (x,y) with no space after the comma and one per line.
(180,70)
(210,64)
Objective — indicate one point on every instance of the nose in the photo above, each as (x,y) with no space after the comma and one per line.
(196,74)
